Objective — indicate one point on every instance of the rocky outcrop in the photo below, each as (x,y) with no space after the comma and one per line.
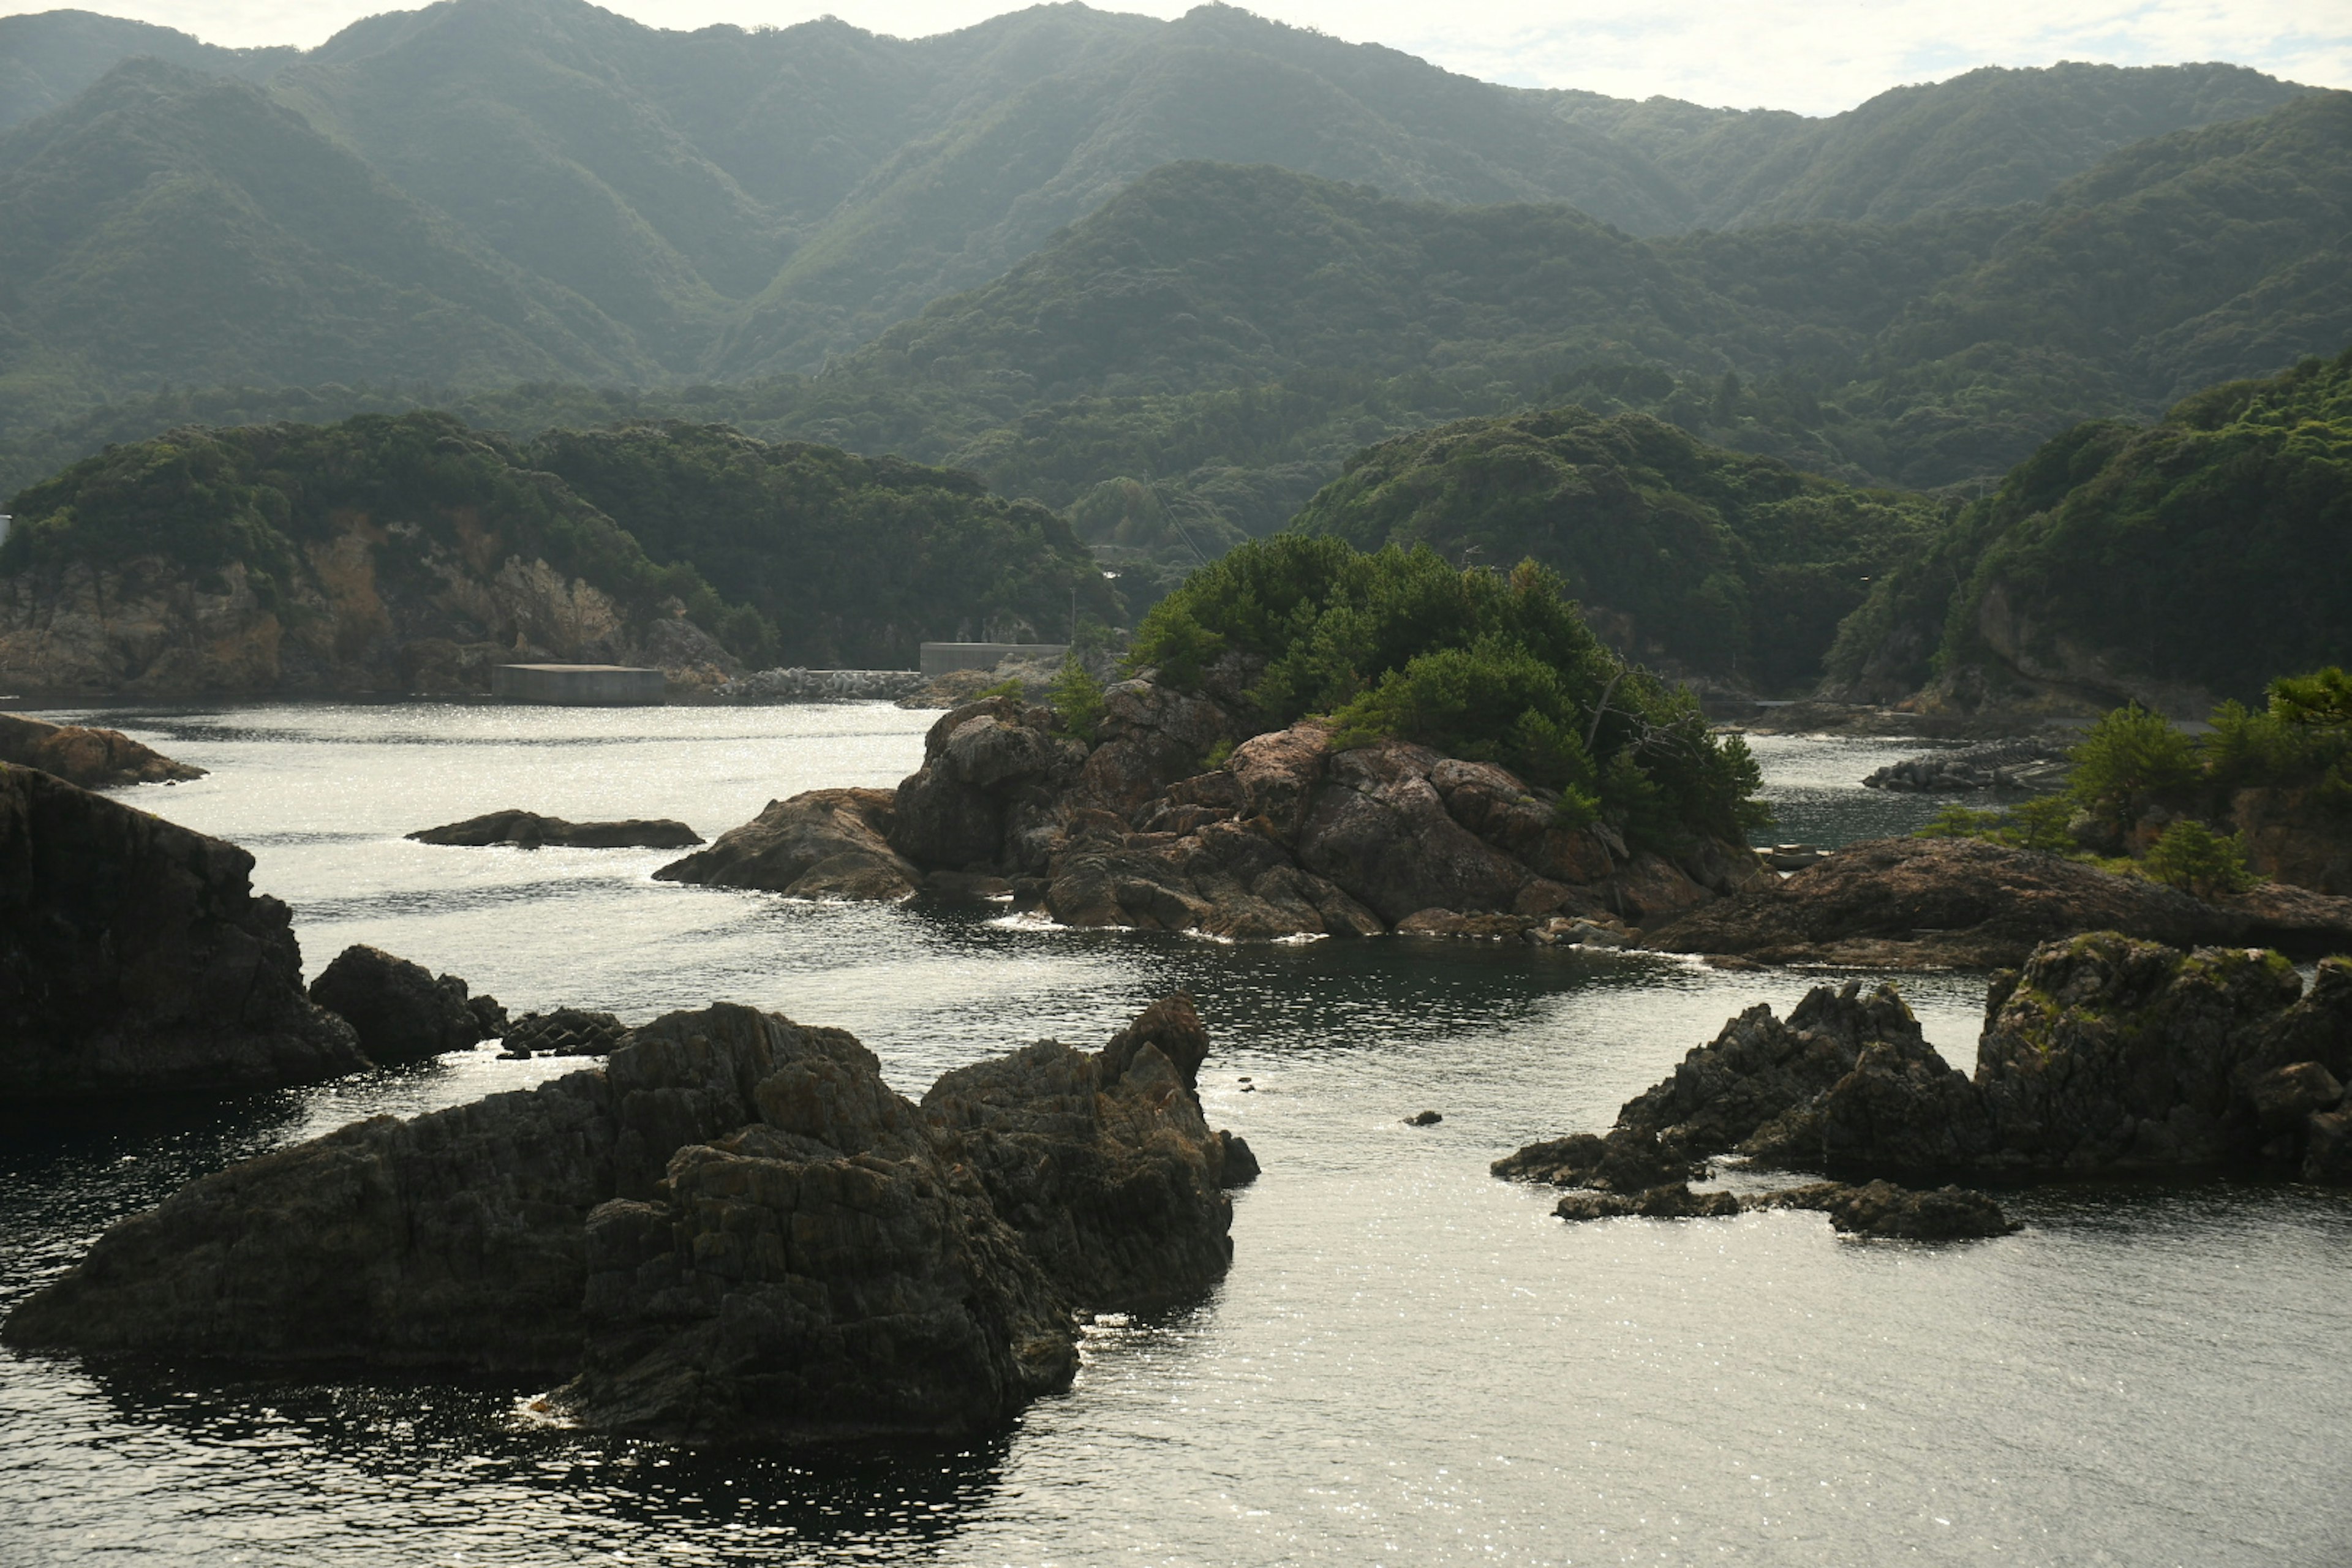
(2291,838)
(1965,903)
(400,1010)
(2102,1056)
(94,759)
(1880,1210)
(378,606)
(2033,765)
(136,958)
(1284,836)
(799,685)
(529,830)
(565,1032)
(734,1230)
(826,844)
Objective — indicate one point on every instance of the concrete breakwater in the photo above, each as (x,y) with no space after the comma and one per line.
(797,685)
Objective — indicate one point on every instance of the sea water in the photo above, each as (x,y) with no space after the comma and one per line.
(1411,1362)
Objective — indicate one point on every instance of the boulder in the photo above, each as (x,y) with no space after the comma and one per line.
(1887,1212)
(989,794)
(733,1230)
(1379,829)
(1277,774)
(1152,736)
(1965,903)
(529,830)
(400,1011)
(136,958)
(94,759)
(824,844)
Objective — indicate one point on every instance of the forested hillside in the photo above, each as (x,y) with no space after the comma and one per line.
(1708,562)
(410,553)
(2173,565)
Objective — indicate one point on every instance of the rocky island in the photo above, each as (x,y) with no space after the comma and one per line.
(733,1230)
(2102,1055)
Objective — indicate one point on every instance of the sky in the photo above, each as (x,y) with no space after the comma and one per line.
(1816,56)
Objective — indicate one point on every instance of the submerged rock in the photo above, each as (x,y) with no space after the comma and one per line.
(92,758)
(734,1230)
(1880,1209)
(529,830)
(1969,904)
(400,1010)
(136,958)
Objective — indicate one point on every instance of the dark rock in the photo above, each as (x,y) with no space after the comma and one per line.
(399,1010)
(565,1032)
(1471,928)
(94,759)
(1424,1119)
(826,844)
(1965,903)
(2284,1096)
(1670,1201)
(529,830)
(734,1230)
(1240,1164)
(489,1017)
(136,958)
(1883,1210)
(1152,736)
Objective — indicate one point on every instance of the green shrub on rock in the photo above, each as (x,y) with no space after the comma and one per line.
(2192,858)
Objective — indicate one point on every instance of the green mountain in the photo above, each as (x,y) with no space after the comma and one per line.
(49,57)
(2170,564)
(1989,138)
(1701,560)
(724,205)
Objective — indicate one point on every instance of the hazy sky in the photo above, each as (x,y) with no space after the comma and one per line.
(1816,55)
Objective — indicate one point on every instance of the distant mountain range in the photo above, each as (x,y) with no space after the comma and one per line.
(1169,276)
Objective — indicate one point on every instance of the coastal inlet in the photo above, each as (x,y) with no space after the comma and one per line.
(1409,1362)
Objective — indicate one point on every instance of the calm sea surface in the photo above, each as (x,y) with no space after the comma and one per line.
(1410,1363)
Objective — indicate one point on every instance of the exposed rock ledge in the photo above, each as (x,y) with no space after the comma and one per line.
(734,1230)
(2103,1055)
(136,958)
(529,830)
(1964,904)
(1285,836)
(94,759)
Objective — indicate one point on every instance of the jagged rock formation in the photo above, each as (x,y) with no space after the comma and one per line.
(529,830)
(733,1230)
(1965,903)
(824,844)
(136,958)
(1879,1209)
(1284,836)
(2103,1054)
(94,759)
(565,1032)
(400,1010)
(2028,764)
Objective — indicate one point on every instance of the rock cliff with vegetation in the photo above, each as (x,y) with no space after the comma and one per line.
(2174,565)
(1326,742)
(412,555)
(734,1230)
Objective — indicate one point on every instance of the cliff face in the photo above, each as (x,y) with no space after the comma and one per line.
(134,958)
(372,608)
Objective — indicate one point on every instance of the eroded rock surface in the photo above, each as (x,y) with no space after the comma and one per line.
(826,844)
(136,958)
(529,830)
(733,1230)
(1968,904)
(1284,836)
(2105,1055)
(92,758)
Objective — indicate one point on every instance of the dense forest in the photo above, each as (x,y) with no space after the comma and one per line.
(2173,564)
(824,558)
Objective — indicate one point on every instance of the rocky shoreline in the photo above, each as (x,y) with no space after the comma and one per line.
(732,1231)
(92,758)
